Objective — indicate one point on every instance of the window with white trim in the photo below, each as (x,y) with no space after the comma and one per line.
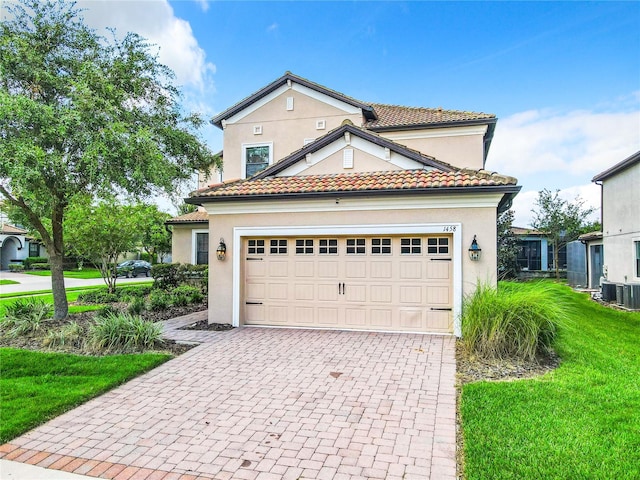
(255,247)
(439,245)
(381,246)
(256,158)
(328,246)
(202,248)
(410,246)
(304,246)
(637,245)
(356,246)
(278,246)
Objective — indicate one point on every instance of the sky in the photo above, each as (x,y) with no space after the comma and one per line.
(563,78)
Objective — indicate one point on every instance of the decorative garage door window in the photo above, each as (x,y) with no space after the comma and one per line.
(255,247)
(328,246)
(278,246)
(410,246)
(356,246)
(381,246)
(304,246)
(438,245)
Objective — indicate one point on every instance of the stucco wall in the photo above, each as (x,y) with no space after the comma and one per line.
(479,221)
(621,224)
(286,129)
(182,242)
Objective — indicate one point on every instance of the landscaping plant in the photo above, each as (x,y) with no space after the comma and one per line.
(122,332)
(512,321)
(24,316)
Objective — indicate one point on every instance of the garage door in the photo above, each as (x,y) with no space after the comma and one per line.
(386,283)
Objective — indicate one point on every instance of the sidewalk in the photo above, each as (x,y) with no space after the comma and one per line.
(33,283)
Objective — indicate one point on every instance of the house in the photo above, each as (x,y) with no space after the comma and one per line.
(336,213)
(621,228)
(15,244)
(585,261)
(535,252)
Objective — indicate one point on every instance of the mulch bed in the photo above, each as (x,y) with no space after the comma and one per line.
(205,325)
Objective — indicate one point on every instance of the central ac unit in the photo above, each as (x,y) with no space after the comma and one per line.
(632,296)
(620,294)
(608,291)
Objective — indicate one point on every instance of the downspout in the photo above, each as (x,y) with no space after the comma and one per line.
(586,256)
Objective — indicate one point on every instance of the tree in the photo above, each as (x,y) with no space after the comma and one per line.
(156,238)
(82,115)
(102,233)
(561,221)
(507,246)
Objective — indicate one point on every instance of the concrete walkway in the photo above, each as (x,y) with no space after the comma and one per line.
(33,283)
(263,403)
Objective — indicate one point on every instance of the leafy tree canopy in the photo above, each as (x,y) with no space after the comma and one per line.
(507,246)
(562,221)
(84,115)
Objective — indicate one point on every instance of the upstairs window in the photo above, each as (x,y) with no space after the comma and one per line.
(256,158)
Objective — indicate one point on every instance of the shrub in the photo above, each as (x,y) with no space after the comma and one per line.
(25,315)
(159,300)
(137,306)
(107,310)
(41,266)
(98,296)
(191,294)
(169,275)
(29,261)
(71,335)
(123,333)
(16,267)
(132,291)
(511,322)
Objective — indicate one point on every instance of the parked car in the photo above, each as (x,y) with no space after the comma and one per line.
(133,268)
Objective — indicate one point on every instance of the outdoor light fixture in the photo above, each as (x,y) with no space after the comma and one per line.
(221,251)
(474,250)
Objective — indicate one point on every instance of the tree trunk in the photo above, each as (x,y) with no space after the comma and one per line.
(56,259)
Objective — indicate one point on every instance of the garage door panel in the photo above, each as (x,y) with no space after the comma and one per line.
(411,294)
(381,318)
(255,313)
(255,291)
(304,292)
(328,269)
(328,317)
(277,291)
(304,269)
(278,268)
(381,293)
(355,293)
(438,295)
(304,315)
(439,321)
(411,319)
(411,270)
(277,314)
(328,292)
(356,269)
(382,270)
(355,317)
(256,268)
(438,270)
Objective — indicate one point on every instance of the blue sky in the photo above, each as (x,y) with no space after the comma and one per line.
(562,77)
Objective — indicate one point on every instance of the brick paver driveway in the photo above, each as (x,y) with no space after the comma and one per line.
(257,403)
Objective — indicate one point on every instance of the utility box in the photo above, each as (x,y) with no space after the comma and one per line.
(631,296)
(608,291)
(620,294)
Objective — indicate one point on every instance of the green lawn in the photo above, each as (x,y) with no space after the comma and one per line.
(35,387)
(84,273)
(581,421)
(72,296)
(8,282)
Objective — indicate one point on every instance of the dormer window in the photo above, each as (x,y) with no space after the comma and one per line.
(256,157)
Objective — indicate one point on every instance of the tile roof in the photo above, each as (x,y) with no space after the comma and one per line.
(193,217)
(525,231)
(395,180)
(7,229)
(397,116)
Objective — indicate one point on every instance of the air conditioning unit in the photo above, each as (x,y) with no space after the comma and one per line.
(631,296)
(620,294)
(608,291)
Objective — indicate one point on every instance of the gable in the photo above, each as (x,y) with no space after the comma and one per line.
(350,154)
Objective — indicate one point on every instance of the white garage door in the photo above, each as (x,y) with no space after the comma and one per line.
(386,283)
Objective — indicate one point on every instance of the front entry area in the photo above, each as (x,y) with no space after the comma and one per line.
(368,282)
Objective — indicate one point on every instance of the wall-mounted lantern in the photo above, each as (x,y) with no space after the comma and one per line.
(474,250)
(221,251)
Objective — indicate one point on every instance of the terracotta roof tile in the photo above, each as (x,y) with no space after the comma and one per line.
(396,116)
(193,217)
(352,182)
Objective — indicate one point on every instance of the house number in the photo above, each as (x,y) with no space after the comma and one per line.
(449,228)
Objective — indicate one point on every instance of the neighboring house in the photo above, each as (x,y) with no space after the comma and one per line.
(621,225)
(190,238)
(16,246)
(535,252)
(335,213)
(585,261)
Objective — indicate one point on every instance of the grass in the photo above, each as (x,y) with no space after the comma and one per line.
(8,282)
(580,421)
(84,273)
(35,387)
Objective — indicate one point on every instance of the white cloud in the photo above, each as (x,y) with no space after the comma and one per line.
(564,143)
(155,20)
(204,4)
(272,28)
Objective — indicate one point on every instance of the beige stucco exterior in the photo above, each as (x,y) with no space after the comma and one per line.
(621,224)
(182,241)
(467,219)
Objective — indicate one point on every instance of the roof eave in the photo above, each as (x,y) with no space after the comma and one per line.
(618,167)
(511,190)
